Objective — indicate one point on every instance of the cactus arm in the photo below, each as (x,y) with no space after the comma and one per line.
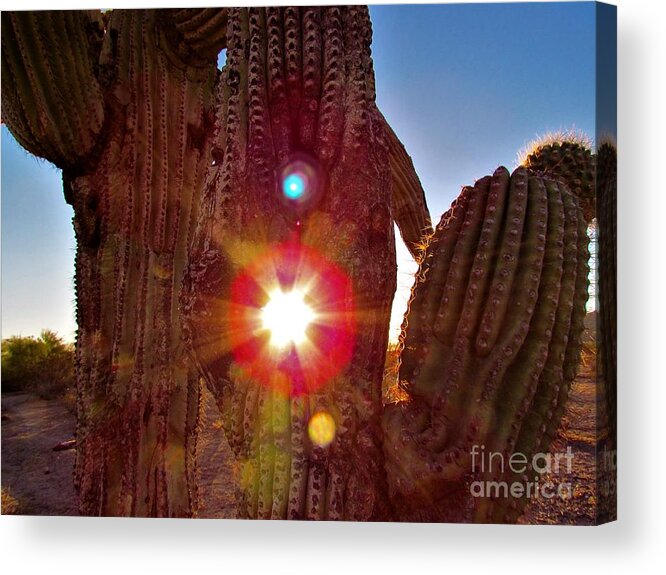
(490,342)
(408,202)
(51,99)
(196,34)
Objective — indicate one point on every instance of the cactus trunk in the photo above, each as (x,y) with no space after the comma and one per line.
(138,396)
(134,150)
(304,93)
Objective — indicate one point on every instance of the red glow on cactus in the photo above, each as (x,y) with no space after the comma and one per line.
(292,319)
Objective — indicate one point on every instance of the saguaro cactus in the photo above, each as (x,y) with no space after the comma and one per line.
(123,103)
(490,344)
(278,181)
(304,94)
(567,156)
(527,227)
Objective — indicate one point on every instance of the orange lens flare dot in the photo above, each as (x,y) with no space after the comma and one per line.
(321,429)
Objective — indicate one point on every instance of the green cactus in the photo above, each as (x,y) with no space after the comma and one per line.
(124,104)
(567,156)
(490,343)
(307,87)
(593,177)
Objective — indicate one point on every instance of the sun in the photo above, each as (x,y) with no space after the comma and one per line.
(286,317)
(292,320)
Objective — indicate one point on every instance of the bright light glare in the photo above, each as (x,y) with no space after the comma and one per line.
(287,317)
(294,186)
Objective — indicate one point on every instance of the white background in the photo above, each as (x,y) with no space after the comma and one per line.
(635,543)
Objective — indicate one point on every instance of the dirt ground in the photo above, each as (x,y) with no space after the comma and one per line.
(579,432)
(584,429)
(41,479)
(35,475)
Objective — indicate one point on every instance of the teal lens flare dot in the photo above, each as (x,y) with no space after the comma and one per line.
(293,186)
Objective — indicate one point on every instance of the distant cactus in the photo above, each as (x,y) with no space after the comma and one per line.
(568,156)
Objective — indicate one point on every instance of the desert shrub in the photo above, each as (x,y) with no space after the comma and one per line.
(44,365)
(391,390)
(9,505)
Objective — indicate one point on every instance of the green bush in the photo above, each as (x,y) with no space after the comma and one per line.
(43,365)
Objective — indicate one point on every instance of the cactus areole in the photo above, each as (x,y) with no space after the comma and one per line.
(236,227)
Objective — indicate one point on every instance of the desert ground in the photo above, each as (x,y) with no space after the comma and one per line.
(40,479)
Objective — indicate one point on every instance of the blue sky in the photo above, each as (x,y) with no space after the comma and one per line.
(465,87)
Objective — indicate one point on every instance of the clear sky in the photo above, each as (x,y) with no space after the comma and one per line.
(465,87)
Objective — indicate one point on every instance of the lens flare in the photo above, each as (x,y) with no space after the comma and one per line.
(291,319)
(300,184)
(287,317)
(321,429)
(294,186)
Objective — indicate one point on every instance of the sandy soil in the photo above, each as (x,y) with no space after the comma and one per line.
(584,429)
(579,432)
(42,479)
(38,477)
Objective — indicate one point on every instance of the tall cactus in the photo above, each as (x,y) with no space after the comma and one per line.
(124,104)
(490,343)
(306,89)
